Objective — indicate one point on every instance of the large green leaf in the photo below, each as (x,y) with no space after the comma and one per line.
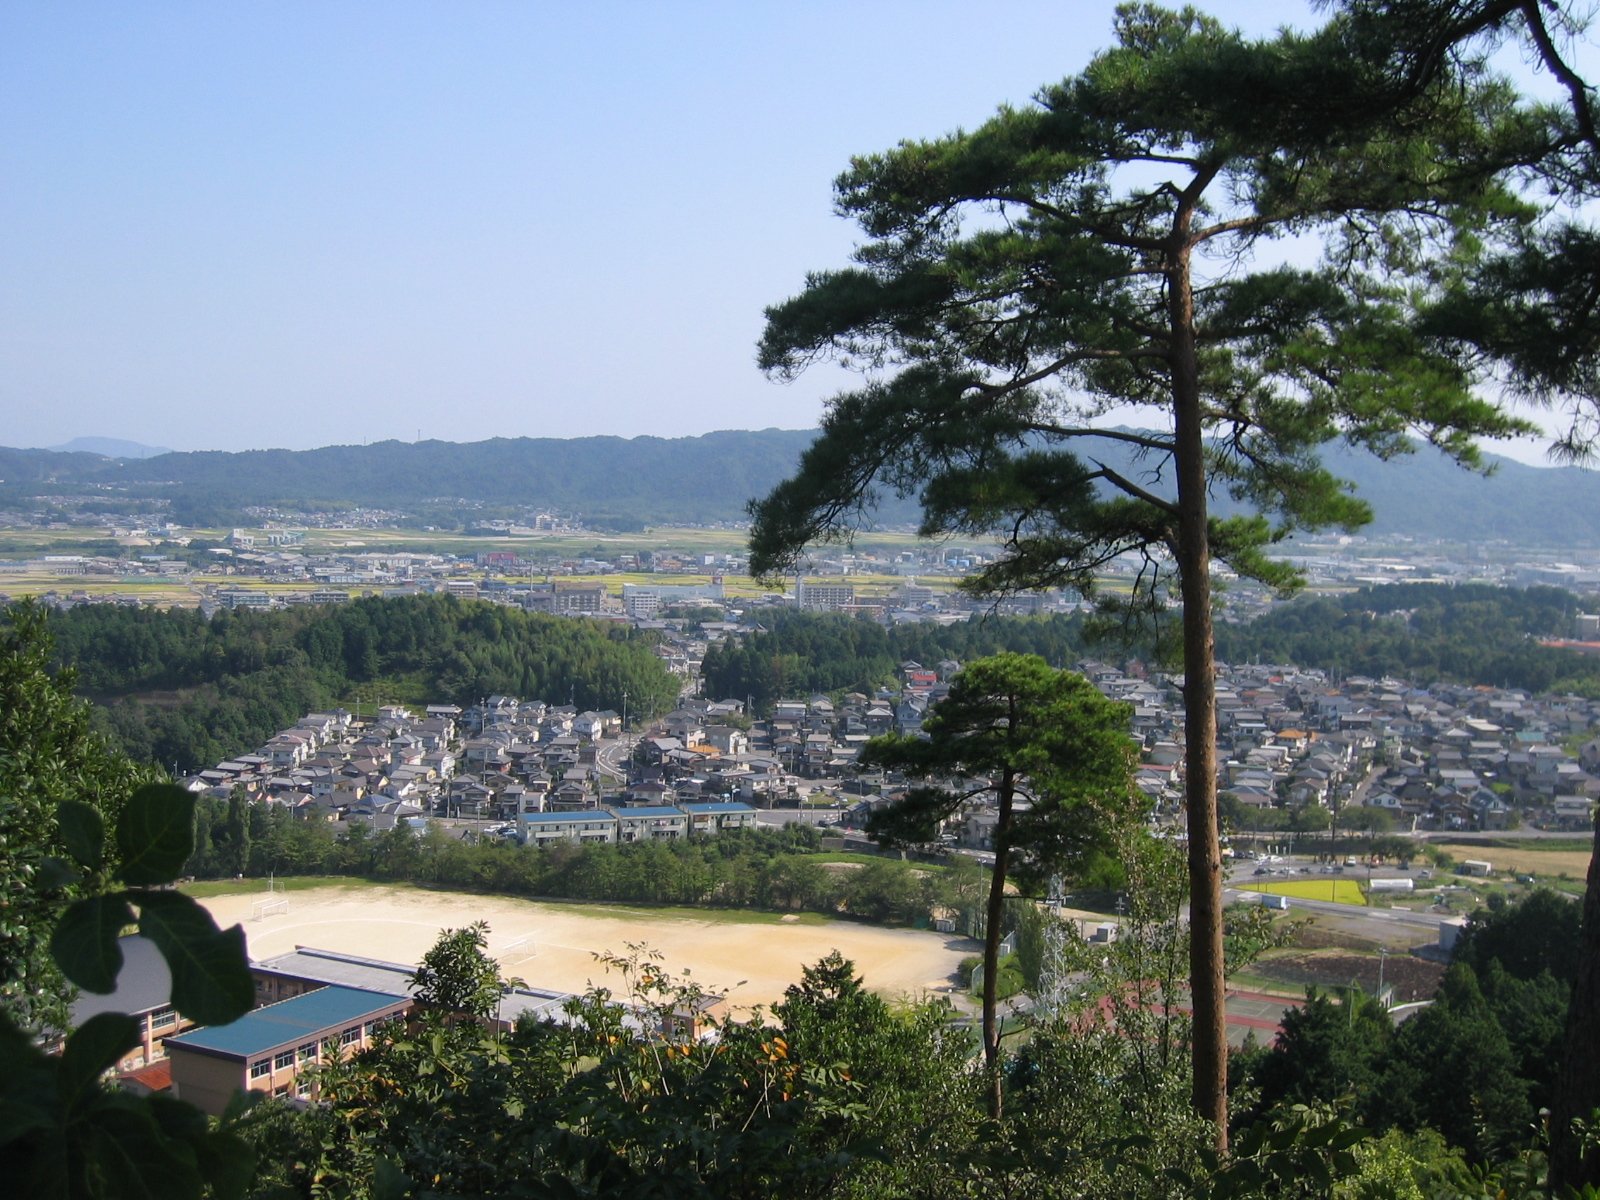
(211,980)
(83,833)
(155,833)
(92,1050)
(127,1156)
(228,1163)
(85,941)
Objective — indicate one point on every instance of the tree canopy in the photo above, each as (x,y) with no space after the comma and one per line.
(48,754)
(1111,245)
(1051,753)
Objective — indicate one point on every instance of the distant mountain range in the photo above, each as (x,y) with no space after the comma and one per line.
(110,447)
(648,480)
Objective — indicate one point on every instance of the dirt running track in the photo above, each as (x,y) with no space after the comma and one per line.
(553,945)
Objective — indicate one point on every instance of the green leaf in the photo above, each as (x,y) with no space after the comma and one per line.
(389,1182)
(127,1156)
(56,874)
(227,1162)
(177,1119)
(93,1049)
(155,834)
(85,941)
(211,980)
(83,833)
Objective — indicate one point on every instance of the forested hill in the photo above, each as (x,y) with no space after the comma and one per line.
(1420,632)
(1474,634)
(176,688)
(646,480)
(631,481)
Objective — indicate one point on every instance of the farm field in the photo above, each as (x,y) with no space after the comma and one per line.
(1524,859)
(552,945)
(1339,891)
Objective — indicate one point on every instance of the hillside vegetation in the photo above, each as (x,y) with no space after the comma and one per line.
(631,483)
(176,688)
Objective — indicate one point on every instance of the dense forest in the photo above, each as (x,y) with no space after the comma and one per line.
(1420,632)
(1424,633)
(178,689)
(1478,1066)
(796,654)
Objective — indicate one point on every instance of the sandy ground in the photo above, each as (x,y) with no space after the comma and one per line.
(553,945)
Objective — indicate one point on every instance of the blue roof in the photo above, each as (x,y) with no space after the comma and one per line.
(289,1022)
(556,818)
(648,810)
(716,806)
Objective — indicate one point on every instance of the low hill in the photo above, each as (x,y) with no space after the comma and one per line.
(110,448)
(650,480)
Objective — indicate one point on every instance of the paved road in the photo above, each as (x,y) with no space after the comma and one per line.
(610,758)
(1428,921)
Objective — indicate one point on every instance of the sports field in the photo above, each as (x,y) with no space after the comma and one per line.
(1339,891)
(549,945)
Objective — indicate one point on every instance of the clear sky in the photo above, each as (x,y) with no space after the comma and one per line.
(230,226)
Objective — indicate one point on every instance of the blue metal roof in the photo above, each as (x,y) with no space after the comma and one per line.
(648,810)
(716,806)
(290,1022)
(557,818)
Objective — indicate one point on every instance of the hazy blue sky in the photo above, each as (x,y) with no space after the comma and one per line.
(298,224)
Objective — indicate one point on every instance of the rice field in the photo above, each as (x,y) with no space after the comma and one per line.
(1339,891)
(1528,858)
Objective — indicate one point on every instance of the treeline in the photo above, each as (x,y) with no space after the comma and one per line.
(759,868)
(178,689)
(1425,633)
(801,653)
(1478,1065)
(605,479)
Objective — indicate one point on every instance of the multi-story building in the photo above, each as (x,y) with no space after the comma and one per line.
(267,1049)
(825,596)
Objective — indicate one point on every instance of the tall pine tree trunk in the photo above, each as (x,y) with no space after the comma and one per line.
(991,944)
(1193,552)
(1578,1084)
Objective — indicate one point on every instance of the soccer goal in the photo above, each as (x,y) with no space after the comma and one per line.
(524,946)
(273,907)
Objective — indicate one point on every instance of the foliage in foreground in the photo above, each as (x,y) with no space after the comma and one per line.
(48,754)
(62,1132)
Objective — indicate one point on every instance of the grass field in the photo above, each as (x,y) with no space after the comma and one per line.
(1528,858)
(1340,891)
(207,889)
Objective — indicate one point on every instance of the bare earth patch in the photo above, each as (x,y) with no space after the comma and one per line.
(1413,978)
(553,945)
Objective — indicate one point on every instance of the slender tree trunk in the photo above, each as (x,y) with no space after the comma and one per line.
(991,944)
(1206,982)
(1578,1084)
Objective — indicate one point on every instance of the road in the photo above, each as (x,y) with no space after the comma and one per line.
(611,757)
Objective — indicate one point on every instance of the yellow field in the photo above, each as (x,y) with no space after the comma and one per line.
(1527,859)
(1339,891)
